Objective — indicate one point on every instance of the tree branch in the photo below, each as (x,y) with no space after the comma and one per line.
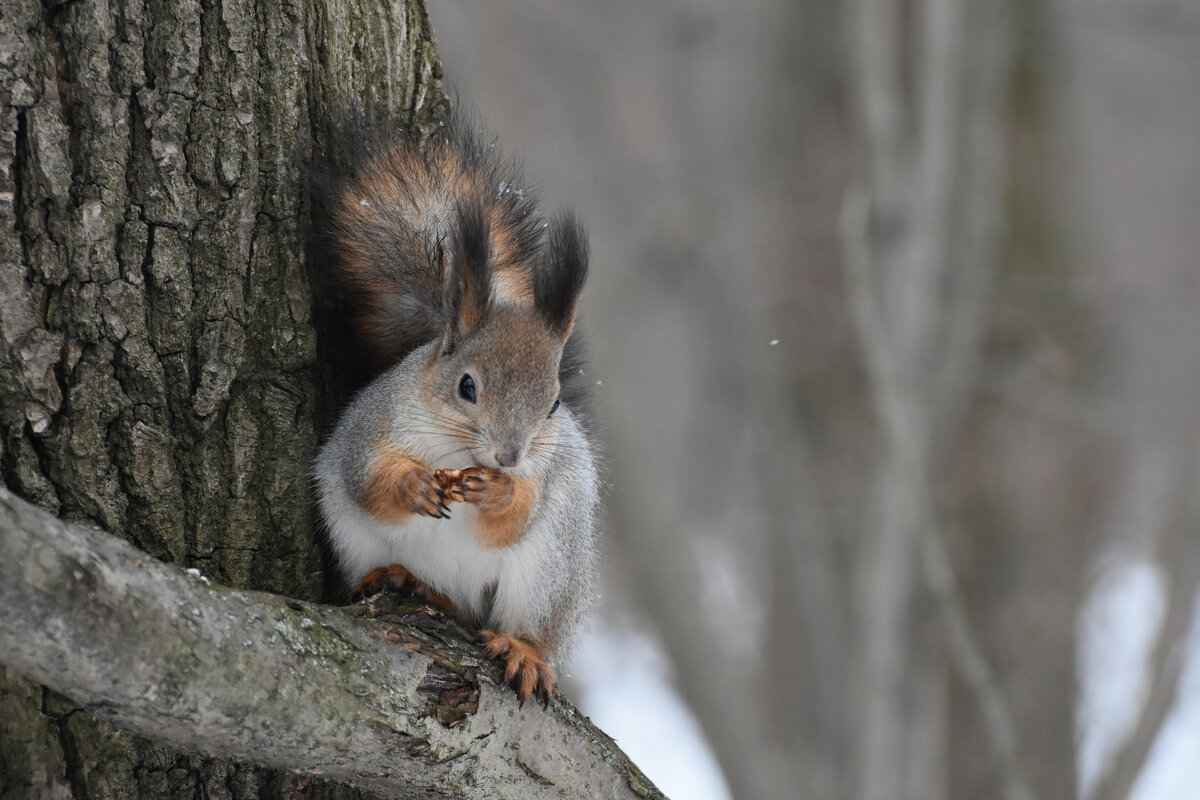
(910,473)
(916,289)
(400,705)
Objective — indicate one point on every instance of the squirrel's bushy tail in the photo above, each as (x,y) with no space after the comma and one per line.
(394,225)
(398,211)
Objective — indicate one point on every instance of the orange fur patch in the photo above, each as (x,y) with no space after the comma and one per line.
(397,578)
(392,489)
(525,667)
(394,577)
(501,524)
(512,284)
(504,502)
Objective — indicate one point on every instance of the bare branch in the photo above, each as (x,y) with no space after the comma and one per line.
(910,472)
(401,707)
(897,288)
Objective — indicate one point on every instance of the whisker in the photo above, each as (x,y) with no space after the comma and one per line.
(442,422)
(447,434)
(548,457)
(441,456)
(427,414)
(446,425)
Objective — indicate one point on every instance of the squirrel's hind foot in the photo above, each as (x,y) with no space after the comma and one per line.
(397,578)
(525,670)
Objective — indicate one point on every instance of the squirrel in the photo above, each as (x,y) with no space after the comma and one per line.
(465,471)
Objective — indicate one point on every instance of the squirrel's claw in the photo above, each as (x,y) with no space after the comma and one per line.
(480,485)
(421,493)
(395,578)
(437,511)
(524,669)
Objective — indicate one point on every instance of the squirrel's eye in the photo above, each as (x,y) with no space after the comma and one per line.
(553,408)
(466,389)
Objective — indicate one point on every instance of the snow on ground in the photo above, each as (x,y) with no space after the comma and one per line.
(627,692)
(1172,769)
(1119,626)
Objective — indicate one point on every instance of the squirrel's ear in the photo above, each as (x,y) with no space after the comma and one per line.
(468,277)
(560,276)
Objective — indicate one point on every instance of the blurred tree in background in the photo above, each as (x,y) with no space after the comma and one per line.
(894,309)
(894,312)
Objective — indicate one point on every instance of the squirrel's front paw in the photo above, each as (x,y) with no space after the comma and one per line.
(421,493)
(484,486)
(525,670)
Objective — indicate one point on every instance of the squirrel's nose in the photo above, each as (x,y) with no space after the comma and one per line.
(508,458)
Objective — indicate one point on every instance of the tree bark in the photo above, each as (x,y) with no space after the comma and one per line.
(159,375)
(400,705)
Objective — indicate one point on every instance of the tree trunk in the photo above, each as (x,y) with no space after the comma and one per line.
(157,347)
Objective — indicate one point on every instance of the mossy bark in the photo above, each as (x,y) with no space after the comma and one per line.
(389,695)
(157,346)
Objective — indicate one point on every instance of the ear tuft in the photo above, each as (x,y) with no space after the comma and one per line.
(469,277)
(560,276)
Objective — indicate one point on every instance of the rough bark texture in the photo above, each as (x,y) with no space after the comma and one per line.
(404,710)
(157,345)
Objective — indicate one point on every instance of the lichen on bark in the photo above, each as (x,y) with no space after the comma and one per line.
(389,694)
(157,347)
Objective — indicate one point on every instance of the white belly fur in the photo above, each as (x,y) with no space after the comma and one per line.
(443,553)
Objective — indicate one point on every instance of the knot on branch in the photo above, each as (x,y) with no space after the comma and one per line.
(450,687)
